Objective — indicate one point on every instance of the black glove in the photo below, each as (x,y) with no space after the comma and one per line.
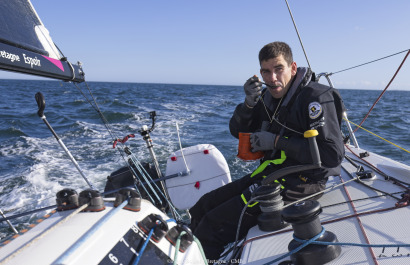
(253,89)
(262,141)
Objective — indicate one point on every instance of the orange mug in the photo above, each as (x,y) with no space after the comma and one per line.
(244,148)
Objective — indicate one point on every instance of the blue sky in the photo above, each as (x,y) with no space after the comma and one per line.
(217,41)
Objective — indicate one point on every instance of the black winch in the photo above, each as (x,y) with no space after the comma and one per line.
(133,196)
(271,204)
(67,199)
(94,200)
(304,217)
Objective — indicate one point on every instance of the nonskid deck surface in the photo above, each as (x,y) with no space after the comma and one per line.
(355,214)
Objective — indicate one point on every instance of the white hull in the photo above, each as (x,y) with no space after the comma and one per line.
(60,239)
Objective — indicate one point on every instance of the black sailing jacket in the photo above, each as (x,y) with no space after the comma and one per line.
(307,105)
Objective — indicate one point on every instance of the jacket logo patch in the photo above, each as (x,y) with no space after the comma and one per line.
(315,109)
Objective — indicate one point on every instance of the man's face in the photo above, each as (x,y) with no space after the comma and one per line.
(278,75)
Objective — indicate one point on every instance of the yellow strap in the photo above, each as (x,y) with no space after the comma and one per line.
(262,168)
(267,162)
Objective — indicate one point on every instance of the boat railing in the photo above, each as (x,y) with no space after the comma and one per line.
(351,133)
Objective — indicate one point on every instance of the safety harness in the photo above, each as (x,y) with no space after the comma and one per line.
(261,168)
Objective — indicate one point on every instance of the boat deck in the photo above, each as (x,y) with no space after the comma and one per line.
(355,214)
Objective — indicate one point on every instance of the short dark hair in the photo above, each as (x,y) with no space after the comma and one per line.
(275,49)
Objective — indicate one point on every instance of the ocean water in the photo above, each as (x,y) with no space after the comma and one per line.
(33,167)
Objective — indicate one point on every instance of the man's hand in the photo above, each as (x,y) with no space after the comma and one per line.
(253,89)
(262,141)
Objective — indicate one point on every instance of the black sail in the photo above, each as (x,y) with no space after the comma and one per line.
(26,46)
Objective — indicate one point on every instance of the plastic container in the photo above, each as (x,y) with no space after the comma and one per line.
(244,148)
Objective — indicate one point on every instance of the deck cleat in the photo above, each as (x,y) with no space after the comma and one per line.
(133,196)
(94,200)
(366,175)
(405,200)
(154,221)
(67,199)
(304,217)
(186,239)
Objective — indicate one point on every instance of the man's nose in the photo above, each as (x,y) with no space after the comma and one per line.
(273,77)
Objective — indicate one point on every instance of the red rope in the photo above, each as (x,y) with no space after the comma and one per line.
(359,222)
(374,104)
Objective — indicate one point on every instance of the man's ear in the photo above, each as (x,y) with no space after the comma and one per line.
(294,68)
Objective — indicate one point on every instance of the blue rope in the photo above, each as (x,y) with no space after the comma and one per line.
(139,254)
(353,244)
(298,248)
(313,241)
(177,244)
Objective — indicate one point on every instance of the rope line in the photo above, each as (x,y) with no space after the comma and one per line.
(45,232)
(139,254)
(359,221)
(352,244)
(391,80)
(307,242)
(325,243)
(359,126)
(148,180)
(368,62)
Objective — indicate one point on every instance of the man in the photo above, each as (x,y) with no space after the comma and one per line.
(277,117)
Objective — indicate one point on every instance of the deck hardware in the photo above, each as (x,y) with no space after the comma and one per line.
(304,217)
(67,199)
(271,204)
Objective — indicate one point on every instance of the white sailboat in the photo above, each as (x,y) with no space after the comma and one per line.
(361,219)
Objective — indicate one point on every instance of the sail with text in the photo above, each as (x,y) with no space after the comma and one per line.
(26,45)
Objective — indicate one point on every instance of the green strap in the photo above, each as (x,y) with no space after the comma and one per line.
(262,168)
(246,202)
(267,162)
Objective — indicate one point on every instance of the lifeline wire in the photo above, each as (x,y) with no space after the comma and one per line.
(97,109)
(368,62)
